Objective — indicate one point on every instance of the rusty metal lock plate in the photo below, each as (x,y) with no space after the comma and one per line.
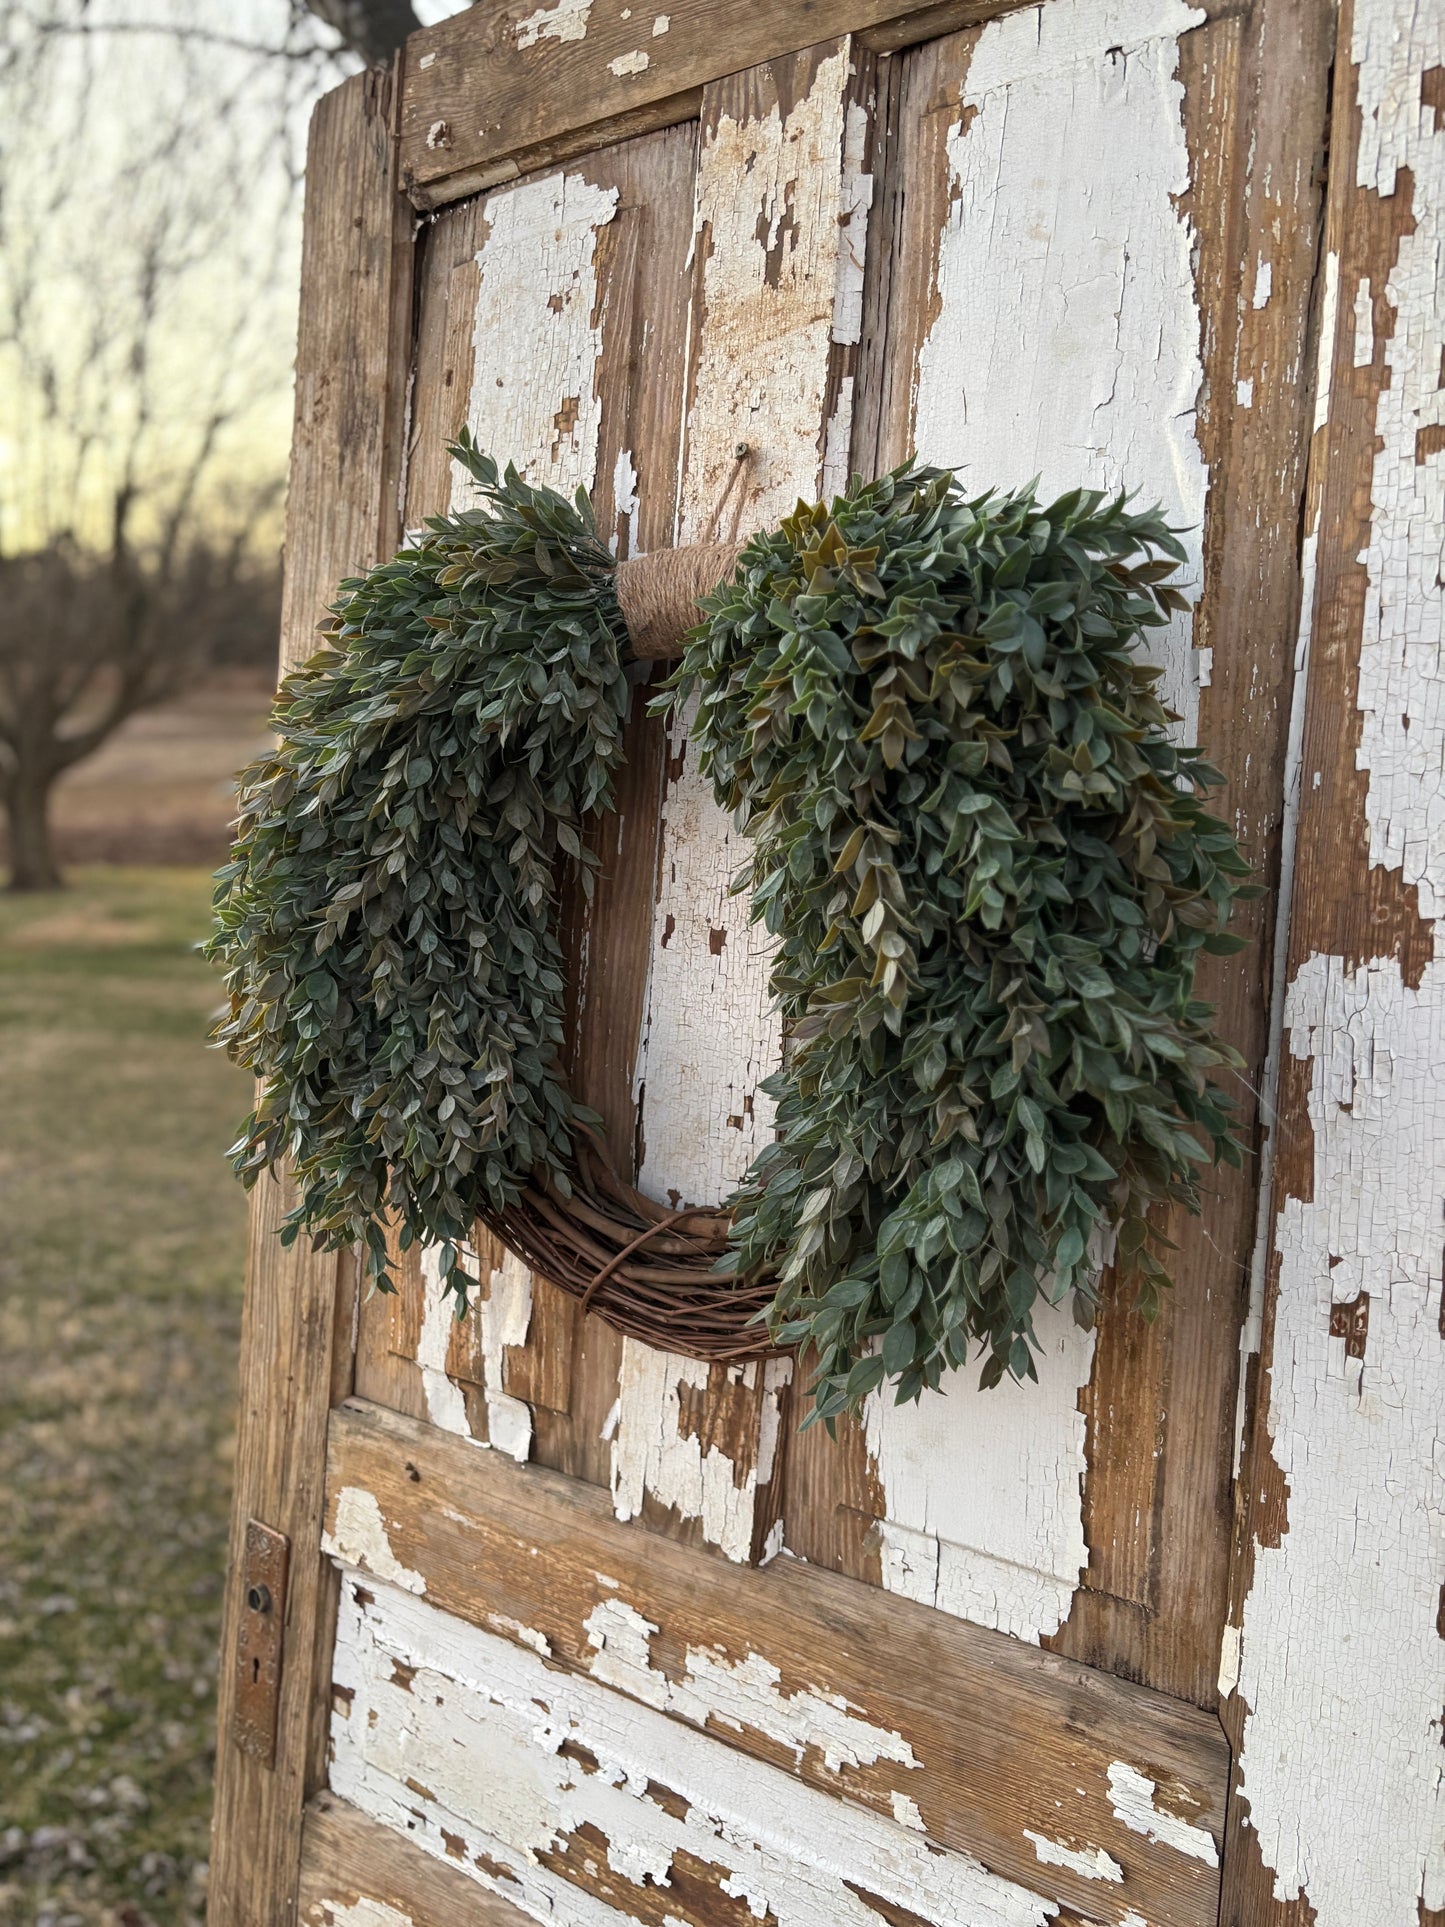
(262,1580)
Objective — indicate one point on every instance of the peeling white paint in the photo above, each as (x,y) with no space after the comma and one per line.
(476,1748)
(1244,393)
(360,1913)
(769,200)
(564,20)
(1364,325)
(741,1694)
(1092,1862)
(1135,1800)
(1263,284)
(445,1405)
(536,346)
(504,1316)
(653,1456)
(711,1034)
(984,1490)
(1067,340)
(359,1539)
(625,504)
(1342,1669)
(660,25)
(1229,1655)
(637,62)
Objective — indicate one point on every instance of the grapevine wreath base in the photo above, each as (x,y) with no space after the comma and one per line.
(986,865)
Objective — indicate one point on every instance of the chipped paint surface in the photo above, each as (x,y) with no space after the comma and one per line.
(504,1315)
(563,20)
(1067,338)
(742,1694)
(711,1034)
(637,62)
(537,343)
(358,1913)
(655,1455)
(445,1405)
(770,196)
(1135,1799)
(1092,1862)
(1341,1666)
(359,1539)
(568,1799)
(984,1490)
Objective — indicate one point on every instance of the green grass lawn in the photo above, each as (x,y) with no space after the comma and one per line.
(121,1251)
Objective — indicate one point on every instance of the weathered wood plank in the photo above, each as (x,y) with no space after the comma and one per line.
(296,1331)
(357,1873)
(1027,1761)
(1334,1653)
(780,225)
(510,88)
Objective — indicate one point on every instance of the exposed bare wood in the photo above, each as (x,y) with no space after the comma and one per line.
(342,517)
(1004,1736)
(348,1860)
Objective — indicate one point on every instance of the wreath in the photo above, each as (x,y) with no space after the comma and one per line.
(987,866)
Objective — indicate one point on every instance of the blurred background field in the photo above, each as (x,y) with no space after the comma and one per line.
(120,1286)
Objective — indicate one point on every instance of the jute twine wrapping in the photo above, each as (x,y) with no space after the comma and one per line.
(659,593)
(648,1271)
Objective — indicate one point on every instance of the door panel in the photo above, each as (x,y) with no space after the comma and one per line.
(1074,240)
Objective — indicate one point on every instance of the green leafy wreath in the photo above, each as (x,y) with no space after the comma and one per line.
(987,866)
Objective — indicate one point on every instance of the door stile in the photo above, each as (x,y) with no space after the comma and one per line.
(297,1337)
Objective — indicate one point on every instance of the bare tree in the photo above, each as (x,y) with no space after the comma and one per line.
(147,288)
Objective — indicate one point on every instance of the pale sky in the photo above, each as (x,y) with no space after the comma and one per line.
(133,161)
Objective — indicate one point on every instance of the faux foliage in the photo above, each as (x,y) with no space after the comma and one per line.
(986,863)
(388,923)
(990,876)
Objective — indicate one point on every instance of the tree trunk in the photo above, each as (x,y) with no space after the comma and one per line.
(32,852)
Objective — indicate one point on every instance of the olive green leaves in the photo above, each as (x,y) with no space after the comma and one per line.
(388,922)
(990,876)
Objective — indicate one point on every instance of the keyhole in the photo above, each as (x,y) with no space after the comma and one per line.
(255,1672)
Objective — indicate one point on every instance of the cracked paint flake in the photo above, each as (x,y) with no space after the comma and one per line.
(1093,1863)
(654,1456)
(559,1789)
(359,1538)
(1135,1800)
(1341,1667)
(358,1913)
(742,1694)
(637,62)
(984,1491)
(445,1405)
(564,20)
(536,345)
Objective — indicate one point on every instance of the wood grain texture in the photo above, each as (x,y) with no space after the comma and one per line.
(341,518)
(1334,1646)
(352,1868)
(510,88)
(1004,1737)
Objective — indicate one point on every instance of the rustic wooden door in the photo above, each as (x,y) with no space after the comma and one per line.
(559,1626)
